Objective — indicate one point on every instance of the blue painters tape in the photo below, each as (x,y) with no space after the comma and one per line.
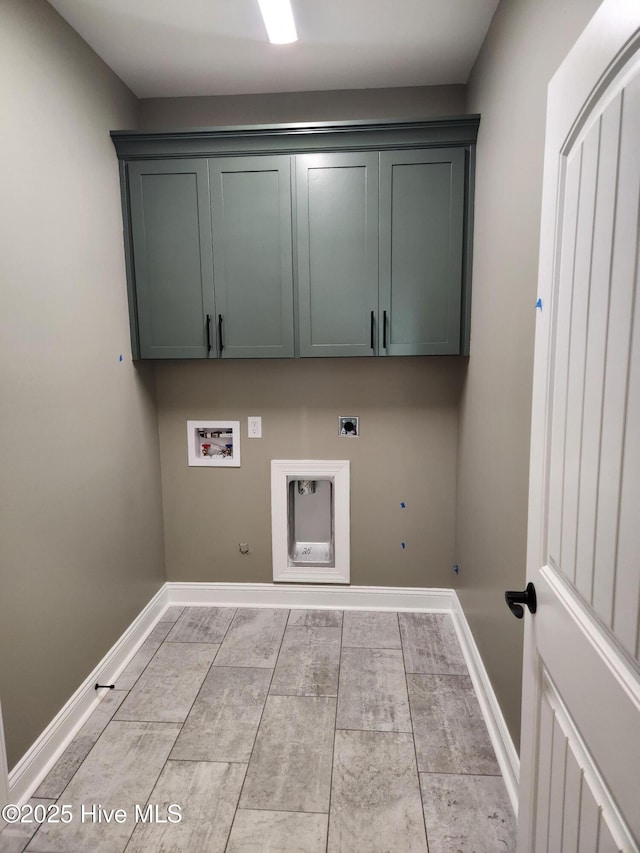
(121,359)
(402,504)
(456,569)
(539,304)
(403,546)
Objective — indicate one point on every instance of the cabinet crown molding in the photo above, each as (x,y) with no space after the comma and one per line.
(299,137)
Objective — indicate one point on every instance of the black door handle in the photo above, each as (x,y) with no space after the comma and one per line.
(515,600)
(384,330)
(373,330)
(208,332)
(220,342)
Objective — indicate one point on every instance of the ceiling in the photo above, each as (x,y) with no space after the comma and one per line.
(176,48)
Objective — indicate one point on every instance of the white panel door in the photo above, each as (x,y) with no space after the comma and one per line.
(580,757)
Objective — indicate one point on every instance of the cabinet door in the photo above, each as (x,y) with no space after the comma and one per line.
(171,237)
(421,246)
(252,255)
(337,237)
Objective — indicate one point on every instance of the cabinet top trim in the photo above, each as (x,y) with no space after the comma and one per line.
(298,137)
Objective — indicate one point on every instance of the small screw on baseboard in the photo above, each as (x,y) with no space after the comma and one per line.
(106,686)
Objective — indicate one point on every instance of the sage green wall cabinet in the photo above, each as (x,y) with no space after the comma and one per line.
(337,253)
(301,240)
(172,260)
(252,256)
(421,250)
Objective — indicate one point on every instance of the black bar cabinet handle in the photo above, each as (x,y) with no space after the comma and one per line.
(384,330)
(373,327)
(220,332)
(208,332)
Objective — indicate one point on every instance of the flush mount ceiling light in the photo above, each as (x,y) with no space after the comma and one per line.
(278,19)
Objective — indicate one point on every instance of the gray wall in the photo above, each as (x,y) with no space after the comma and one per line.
(80,521)
(406,452)
(525,44)
(346,105)
(407,448)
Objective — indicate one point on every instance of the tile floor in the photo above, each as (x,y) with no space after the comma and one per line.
(301,730)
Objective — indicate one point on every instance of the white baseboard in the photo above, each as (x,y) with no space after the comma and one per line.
(311,596)
(40,758)
(505,750)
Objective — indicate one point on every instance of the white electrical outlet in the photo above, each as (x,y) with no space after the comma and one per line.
(254,426)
